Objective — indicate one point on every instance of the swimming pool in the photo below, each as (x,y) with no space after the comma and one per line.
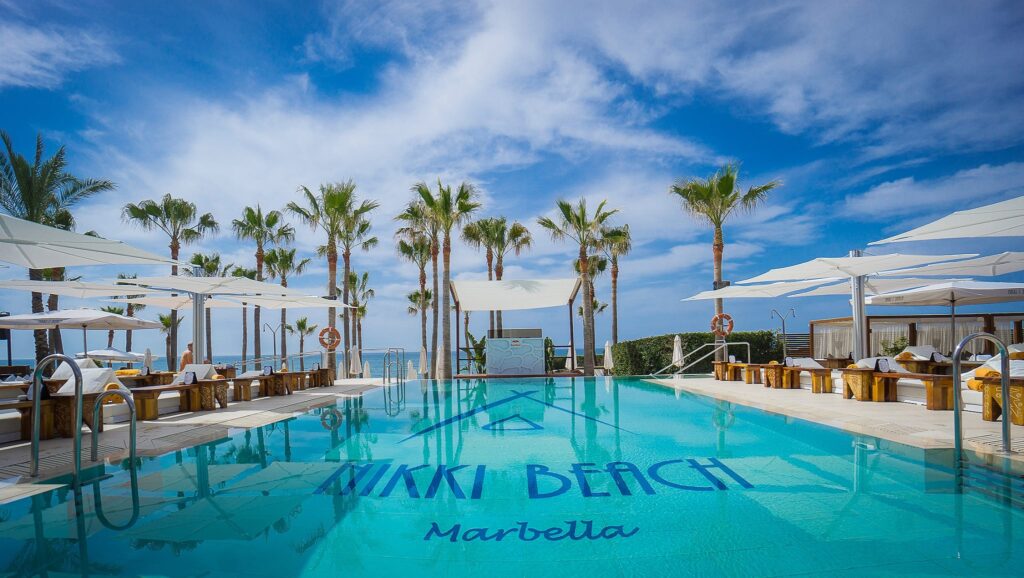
(544,477)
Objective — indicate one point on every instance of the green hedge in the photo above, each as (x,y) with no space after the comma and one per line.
(649,354)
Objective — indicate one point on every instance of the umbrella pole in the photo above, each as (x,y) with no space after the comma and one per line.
(85,340)
(952,322)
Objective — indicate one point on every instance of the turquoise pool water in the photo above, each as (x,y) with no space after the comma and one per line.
(547,477)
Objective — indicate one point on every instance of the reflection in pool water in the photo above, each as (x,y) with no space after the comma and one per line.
(541,477)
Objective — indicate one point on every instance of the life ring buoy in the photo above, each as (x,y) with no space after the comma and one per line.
(330,419)
(330,338)
(722,324)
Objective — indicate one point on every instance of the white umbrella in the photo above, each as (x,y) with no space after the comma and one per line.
(180,302)
(366,370)
(839,267)
(113,354)
(874,286)
(40,247)
(1005,219)
(147,359)
(987,266)
(768,290)
(77,289)
(677,351)
(609,363)
(437,362)
(424,367)
(953,293)
(410,370)
(74,319)
(354,364)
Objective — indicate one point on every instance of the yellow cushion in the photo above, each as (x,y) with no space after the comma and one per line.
(905,356)
(985,372)
(1017,356)
(975,384)
(121,372)
(773,362)
(852,366)
(217,376)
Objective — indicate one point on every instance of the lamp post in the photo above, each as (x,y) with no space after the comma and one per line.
(775,314)
(273,331)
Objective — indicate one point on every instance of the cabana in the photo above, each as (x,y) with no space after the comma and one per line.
(513,295)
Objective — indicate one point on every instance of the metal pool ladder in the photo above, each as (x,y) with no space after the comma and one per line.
(37,388)
(958,400)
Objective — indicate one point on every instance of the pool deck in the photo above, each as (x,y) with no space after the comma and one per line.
(169,433)
(904,423)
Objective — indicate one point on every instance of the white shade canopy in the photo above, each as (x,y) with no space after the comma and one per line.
(114,355)
(987,266)
(211,285)
(179,302)
(75,318)
(290,301)
(1005,219)
(77,289)
(953,292)
(825,267)
(873,286)
(40,247)
(753,291)
(510,295)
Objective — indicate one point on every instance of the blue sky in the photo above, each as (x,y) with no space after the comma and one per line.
(878,116)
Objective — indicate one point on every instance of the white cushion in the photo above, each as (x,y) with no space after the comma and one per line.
(64,370)
(872,362)
(920,352)
(807,362)
(202,371)
(94,380)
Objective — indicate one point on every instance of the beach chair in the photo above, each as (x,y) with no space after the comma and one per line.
(821,376)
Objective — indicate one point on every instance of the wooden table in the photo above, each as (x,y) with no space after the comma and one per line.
(834,363)
(719,369)
(751,372)
(773,376)
(821,378)
(992,399)
(857,382)
(938,388)
(46,416)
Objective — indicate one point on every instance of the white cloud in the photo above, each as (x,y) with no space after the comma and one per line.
(42,58)
(913,199)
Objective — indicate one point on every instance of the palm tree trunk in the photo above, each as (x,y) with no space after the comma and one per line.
(434,308)
(110,339)
(167,350)
(346,257)
(499,270)
(302,349)
(209,335)
(172,336)
(284,333)
(245,337)
(588,316)
(490,276)
(257,348)
(129,310)
(332,290)
(39,335)
(717,248)
(423,308)
(446,299)
(615,299)
(56,339)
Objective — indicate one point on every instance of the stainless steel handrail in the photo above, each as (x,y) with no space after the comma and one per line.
(127,397)
(958,400)
(37,395)
(717,346)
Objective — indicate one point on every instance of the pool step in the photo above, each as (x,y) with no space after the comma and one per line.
(995,483)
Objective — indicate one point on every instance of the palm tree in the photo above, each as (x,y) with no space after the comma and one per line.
(303,329)
(598,306)
(248,274)
(418,301)
(448,210)
(576,223)
(345,220)
(110,332)
(181,222)
(169,326)
(262,229)
(41,191)
(417,251)
(130,310)
(359,287)
(419,224)
(211,267)
(515,239)
(615,242)
(486,233)
(281,264)
(713,200)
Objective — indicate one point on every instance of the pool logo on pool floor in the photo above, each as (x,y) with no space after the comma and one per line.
(515,422)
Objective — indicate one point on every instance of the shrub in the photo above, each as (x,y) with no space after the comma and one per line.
(894,347)
(649,354)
